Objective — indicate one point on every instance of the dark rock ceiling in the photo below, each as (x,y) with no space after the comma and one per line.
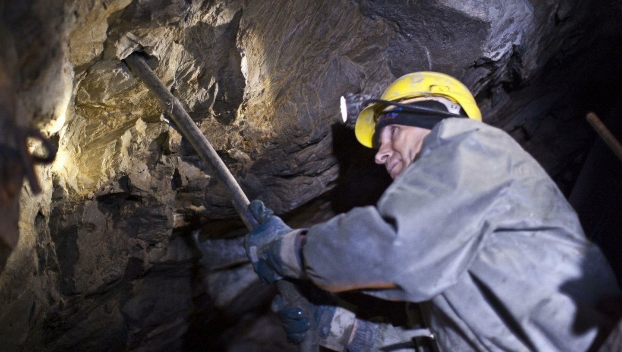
(110,255)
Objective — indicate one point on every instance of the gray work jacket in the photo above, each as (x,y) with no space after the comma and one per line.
(477,232)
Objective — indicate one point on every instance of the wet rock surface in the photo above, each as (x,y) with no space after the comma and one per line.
(110,254)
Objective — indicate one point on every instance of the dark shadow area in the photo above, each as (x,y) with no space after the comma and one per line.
(234,328)
(597,195)
(596,187)
(594,82)
(361,181)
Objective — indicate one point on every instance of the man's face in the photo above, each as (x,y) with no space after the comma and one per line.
(399,145)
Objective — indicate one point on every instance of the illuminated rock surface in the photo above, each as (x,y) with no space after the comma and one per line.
(109,256)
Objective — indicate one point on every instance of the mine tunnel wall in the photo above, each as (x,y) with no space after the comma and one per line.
(109,254)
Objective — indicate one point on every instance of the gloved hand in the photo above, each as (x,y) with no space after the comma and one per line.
(263,244)
(296,324)
(336,323)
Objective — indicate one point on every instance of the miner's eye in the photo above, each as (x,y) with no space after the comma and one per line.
(394,130)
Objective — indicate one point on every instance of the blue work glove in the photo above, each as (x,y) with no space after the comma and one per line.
(263,243)
(322,308)
(296,324)
(325,308)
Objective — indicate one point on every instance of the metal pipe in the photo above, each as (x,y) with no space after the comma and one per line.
(605,134)
(193,134)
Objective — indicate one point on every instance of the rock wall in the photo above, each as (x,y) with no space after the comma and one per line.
(109,256)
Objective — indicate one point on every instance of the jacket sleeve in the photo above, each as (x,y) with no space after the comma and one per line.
(429,224)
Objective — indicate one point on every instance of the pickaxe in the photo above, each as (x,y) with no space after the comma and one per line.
(193,134)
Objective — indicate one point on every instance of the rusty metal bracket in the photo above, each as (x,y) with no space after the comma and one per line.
(29,161)
(16,162)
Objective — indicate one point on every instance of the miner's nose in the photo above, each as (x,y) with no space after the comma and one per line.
(384,152)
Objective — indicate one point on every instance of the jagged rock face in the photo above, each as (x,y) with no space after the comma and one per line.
(105,258)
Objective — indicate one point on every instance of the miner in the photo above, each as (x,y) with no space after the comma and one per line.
(472,229)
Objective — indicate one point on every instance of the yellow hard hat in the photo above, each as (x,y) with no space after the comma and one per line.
(413,85)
